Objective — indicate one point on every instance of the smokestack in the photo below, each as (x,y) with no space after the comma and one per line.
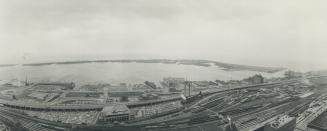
(189,88)
(105,95)
(185,88)
(229,121)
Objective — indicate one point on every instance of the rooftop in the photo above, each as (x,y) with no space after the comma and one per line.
(320,122)
(38,95)
(117,109)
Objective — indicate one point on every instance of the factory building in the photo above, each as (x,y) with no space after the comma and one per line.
(256,79)
(62,86)
(38,96)
(115,113)
(173,81)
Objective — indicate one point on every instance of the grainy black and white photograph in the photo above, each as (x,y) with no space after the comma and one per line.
(163,65)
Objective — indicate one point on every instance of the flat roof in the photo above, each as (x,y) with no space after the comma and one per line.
(49,107)
(117,109)
(38,95)
(320,122)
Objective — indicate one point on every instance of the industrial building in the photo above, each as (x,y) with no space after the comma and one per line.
(114,113)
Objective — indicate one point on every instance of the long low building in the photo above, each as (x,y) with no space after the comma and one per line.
(40,107)
(320,123)
(114,113)
(97,94)
(77,107)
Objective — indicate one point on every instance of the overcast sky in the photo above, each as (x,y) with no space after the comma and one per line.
(287,33)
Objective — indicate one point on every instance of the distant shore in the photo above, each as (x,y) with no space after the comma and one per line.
(204,63)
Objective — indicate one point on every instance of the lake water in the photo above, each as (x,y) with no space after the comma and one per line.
(121,72)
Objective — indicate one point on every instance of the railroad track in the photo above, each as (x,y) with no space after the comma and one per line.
(26,123)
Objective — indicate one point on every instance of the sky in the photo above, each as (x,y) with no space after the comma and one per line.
(281,33)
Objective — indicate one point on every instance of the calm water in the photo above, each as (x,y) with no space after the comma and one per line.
(120,72)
